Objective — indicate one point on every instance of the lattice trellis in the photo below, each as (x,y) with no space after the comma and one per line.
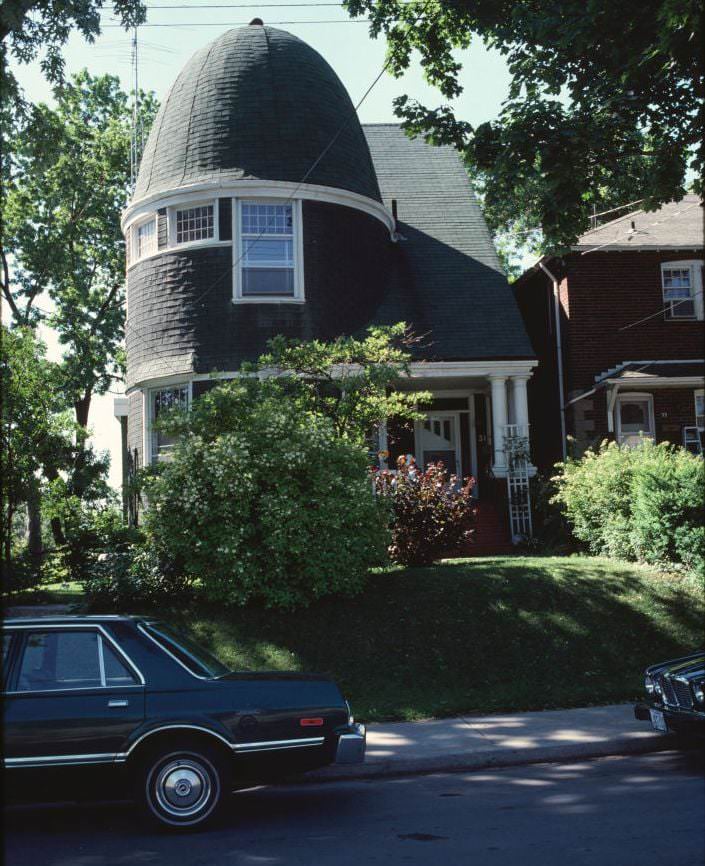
(516,449)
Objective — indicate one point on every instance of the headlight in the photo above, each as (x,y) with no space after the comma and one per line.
(699,692)
(649,684)
(351,718)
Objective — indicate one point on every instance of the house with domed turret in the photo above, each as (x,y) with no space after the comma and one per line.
(264,207)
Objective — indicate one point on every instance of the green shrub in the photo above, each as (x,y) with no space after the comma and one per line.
(431,517)
(643,503)
(264,500)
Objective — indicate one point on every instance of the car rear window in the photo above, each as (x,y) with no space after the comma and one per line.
(195,658)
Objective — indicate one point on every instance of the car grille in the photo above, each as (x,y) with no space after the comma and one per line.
(676,693)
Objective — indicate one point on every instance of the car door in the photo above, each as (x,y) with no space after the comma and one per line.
(73,698)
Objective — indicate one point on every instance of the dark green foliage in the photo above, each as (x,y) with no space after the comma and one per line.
(644,503)
(605,104)
(431,516)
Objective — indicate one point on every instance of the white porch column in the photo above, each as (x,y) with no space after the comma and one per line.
(521,404)
(382,444)
(499,419)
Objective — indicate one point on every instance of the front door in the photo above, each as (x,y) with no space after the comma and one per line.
(635,418)
(438,441)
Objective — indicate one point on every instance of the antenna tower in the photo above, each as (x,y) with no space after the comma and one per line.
(136,131)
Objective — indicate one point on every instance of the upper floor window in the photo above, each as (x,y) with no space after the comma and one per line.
(194,224)
(146,239)
(682,285)
(164,400)
(268,238)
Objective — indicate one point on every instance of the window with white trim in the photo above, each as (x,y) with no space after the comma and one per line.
(700,409)
(267,254)
(194,223)
(146,238)
(164,400)
(682,285)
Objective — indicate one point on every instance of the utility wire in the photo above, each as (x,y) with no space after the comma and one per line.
(660,312)
(308,173)
(245,23)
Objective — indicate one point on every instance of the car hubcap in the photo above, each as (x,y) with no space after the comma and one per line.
(182,787)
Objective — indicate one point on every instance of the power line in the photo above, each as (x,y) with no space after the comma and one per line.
(660,312)
(240,5)
(308,173)
(245,23)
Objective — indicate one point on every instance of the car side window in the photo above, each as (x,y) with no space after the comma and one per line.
(6,644)
(59,660)
(116,671)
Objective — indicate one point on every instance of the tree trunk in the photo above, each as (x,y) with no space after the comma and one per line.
(34,525)
(82,408)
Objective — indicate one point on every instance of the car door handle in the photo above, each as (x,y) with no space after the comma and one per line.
(118,703)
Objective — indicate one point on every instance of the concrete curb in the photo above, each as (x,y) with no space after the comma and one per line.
(501,757)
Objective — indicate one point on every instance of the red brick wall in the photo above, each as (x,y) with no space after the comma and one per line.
(608,290)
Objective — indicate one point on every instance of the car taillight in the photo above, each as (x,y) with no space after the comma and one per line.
(311,723)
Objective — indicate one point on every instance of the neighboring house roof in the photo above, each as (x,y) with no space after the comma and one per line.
(256,103)
(449,282)
(678,224)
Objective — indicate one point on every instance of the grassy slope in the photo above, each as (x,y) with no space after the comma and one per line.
(475,635)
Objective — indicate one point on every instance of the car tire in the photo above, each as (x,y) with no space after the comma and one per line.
(182,789)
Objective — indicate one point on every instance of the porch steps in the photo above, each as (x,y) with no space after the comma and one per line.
(491,536)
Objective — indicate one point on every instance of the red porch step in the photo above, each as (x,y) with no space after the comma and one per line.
(491,536)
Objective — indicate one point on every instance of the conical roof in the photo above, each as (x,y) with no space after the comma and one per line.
(256,103)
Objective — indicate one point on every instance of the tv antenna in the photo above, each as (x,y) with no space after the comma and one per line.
(136,131)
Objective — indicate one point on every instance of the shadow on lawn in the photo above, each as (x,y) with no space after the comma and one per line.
(466,636)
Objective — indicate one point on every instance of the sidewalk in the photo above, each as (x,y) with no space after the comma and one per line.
(474,742)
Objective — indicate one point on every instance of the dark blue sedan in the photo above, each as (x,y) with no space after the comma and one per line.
(127,700)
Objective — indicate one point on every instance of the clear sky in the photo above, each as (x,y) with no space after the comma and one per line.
(346,45)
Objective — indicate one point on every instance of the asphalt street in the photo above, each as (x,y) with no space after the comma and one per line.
(641,810)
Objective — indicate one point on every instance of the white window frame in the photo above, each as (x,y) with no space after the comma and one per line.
(695,266)
(298,296)
(699,392)
(132,244)
(136,229)
(151,458)
(634,397)
(190,205)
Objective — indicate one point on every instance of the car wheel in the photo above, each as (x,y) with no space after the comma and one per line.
(182,789)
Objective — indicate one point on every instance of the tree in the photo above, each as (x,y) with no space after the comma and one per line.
(35,435)
(28,27)
(353,381)
(605,104)
(67,182)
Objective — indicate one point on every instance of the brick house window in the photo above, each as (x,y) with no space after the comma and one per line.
(162,400)
(700,409)
(194,224)
(682,285)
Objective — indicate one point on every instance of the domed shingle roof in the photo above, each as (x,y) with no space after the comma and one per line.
(256,103)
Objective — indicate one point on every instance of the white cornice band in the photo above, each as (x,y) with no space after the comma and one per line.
(257,189)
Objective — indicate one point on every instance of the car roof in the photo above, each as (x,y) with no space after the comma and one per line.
(69,619)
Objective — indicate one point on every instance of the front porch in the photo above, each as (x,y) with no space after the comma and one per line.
(478,414)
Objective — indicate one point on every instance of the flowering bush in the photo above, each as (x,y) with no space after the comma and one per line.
(264,500)
(642,503)
(431,515)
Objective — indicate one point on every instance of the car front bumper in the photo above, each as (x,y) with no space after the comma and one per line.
(351,745)
(676,721)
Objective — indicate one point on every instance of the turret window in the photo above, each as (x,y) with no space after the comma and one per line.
(146,239)
(194,224)
(267,249)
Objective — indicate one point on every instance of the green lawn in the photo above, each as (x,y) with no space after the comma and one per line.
(480,635)
(49,593)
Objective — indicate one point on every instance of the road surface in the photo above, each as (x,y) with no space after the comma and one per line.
(608,812)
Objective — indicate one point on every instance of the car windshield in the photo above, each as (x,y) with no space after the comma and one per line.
(198,660)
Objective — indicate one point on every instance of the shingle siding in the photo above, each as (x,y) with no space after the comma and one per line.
(183,319)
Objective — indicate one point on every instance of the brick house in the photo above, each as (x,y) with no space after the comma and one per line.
(617,325)
(264,207)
